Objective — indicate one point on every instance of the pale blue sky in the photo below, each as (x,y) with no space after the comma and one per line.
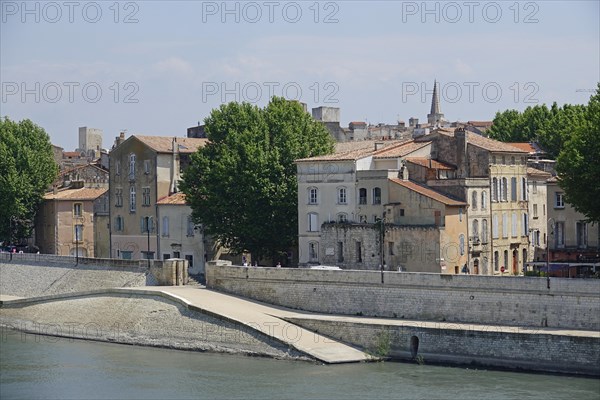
(377,62)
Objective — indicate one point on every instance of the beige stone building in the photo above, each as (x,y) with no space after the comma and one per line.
(538,211)
(143,169)
(65,223)
(178,237)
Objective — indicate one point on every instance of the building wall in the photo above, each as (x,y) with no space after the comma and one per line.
(177,239)
(516,301)
(66,221)
(45,227)
(537,224)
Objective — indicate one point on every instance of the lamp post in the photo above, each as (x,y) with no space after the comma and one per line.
(548,251)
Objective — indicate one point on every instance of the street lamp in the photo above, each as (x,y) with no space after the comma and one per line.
(548,251)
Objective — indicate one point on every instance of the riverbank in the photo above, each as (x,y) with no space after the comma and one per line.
(142,320)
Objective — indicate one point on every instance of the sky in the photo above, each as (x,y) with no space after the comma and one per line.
(158,67)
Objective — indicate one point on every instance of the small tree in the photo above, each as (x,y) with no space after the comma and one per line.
(27,168)
(242,185)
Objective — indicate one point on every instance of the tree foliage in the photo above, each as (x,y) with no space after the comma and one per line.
(27,168)
(579,163)
(550,127)
(242,185)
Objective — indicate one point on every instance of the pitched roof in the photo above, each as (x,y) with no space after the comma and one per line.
(174,199)
(428,192)
(400,150)
(71,154)
(483,142)
(429,163)
(76,194)
(82,166)
(354,150)
(481,123)
(538,173)
(164,144)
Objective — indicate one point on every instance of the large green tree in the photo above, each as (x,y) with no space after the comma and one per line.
(242,185)
(27,168)
(579,163)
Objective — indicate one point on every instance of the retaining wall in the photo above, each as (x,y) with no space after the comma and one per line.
(517,301)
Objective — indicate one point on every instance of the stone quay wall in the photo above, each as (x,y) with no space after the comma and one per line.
(512,301)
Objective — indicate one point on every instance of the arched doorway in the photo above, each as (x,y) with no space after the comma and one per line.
(515,261)
(476,266)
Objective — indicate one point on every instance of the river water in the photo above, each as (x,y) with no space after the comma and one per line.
(42,367)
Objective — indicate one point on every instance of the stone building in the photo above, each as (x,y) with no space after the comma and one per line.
(538,225)
(143,169)
(90,142)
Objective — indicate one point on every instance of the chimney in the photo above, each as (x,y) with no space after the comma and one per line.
(379,145)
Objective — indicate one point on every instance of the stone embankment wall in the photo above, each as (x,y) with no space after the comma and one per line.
(516,301)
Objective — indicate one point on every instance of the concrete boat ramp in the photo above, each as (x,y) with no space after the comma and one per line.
(267,319)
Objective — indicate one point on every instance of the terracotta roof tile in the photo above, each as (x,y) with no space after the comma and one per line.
(76,194)
(483,142)
(429,163)
(164,144)
(352,150)
(174,199)
(428,192)
(400,150)
(538,172)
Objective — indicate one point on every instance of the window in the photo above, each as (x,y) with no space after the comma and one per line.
(312,195)
(146,224)
(474,200)
(118,197)
(190,260)
(535,211)
(504,225)
(78,233)
(504,160)
(484,231)
(190,226)
(536,238)
(495,189)
(166,256)
(165,226)
(559,234)
(391,248)
(524,189)
(525,224)
(131,166)
(495,227)
(476,229)
(512,160)
(461,244)
(534,187)
(513,189)
(119,223)
(362,219)
(504,189)
(118,168)
(77,209)
(505,260)
(146,167)
(176,254)
(148,255)
(493,159)
(496,261)
(146,196)
(132,199)
(559,200)
(483,200)
(581,229)
(313,222)
(376,195)
(126,255)
(513,229)
(460,214)
(340,254)
(341,195)
(358,252)
(342,217)
(362,196)
(402,212)
(313,252)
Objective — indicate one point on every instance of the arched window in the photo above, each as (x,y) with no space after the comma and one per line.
(496,262)
(495,189)
(504,189)
(341,195)
(313,222)
(474,200)
(483,200)
(476,228)
(524,196)
(461,244)
(376,195)
(362,196)
(313,193)
(131,166)
(313,252)
(484,231)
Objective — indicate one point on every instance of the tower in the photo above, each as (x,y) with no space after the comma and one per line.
(435,117)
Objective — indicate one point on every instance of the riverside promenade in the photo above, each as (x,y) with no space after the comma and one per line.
(266,319)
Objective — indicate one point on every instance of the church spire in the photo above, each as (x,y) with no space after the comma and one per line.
(435,117)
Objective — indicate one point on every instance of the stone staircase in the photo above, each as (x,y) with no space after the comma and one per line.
(194,280)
